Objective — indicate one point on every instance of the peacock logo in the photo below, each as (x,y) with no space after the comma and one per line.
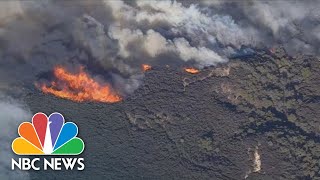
(48,136)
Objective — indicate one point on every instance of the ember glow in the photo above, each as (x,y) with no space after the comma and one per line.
(146,67)
(79,87)
(192,70)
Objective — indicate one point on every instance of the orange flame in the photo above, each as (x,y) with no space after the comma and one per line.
(146,67)
(79,87)
(191,70)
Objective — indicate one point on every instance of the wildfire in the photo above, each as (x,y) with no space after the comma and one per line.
(146,67)
(192,70)
(272,50)
(79,87)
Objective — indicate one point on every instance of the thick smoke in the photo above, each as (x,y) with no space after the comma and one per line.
(292,24)
(161,27)
(113,38)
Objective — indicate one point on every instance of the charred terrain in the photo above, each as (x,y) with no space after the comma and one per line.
(254,118)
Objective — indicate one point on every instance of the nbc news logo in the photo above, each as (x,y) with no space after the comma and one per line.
(48,136)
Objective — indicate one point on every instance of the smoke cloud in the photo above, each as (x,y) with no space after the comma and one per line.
(113,38)
(12,113)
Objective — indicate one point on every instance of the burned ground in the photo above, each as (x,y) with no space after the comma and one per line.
(253,118)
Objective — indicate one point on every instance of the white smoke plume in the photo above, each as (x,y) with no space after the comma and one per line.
(225,26)
(12,113)
(141,25)
(154,44)
(292,24)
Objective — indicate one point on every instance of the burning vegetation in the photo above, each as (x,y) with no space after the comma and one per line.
(191,70)
(79,87)
(146,67)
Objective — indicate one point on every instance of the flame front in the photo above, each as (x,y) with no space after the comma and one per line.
(146,67)
(192,70)
(79,87)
